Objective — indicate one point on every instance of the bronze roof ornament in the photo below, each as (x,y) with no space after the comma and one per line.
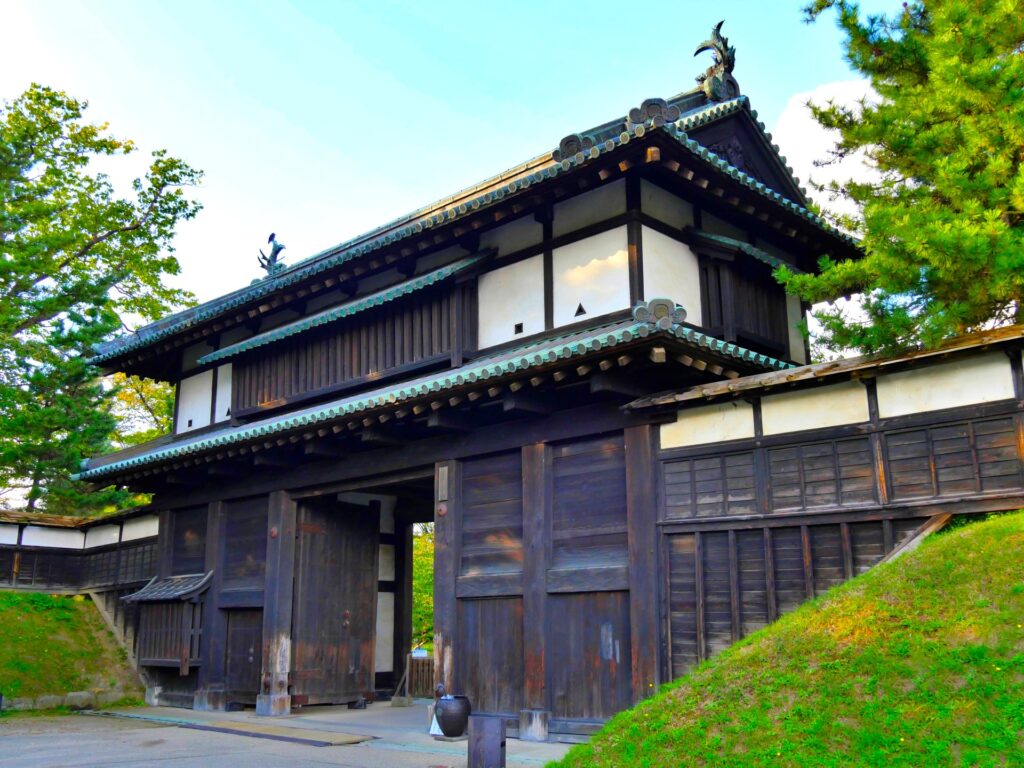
(272,263)
(717,81)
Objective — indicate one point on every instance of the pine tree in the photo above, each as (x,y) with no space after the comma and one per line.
(76,260)
(943,225)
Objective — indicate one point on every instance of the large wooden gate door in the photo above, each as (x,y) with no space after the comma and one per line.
(243,653)
(334,612)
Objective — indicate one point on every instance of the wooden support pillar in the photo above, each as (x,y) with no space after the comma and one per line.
(634,240)
(642,535)
(210,693)
(274,698)
(165,543)
(447,503)
(534,717)
(403,595)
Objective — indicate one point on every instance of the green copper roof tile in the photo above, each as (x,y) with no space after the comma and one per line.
(742,247)
(520,359)
(333,314)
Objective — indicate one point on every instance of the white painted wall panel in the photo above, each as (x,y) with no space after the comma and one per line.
(194,396)
(508,298)
(65,538)
(140,527)
(386,563)
(101,535)
(664,206)
(717,423)
(223,396)
(826,406)
(590,208)
(384,654)
(592,273)
(794,315)
(8,534)
(981,379)
(671,271)
(514,236)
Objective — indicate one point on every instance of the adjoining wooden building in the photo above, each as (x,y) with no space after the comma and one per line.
(496,363)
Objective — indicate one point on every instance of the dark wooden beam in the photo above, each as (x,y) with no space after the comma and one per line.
(454,421)
(275,459)
(379,436)
(615,383)
(327,449)
(523,402)
(282,526)
(642,538)
(447,524)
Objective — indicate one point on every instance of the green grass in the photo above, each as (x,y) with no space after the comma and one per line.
(916,663)
(52,644)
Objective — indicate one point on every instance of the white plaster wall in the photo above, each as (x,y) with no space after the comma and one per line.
(671,272)
(386,563)
(190,354)
(8,534)
(101,535)
(65,538)
(223,396)
(717,226)
(384,654)
(194,395)
(829,405)
(589,208)
(794,314)
(593,272)
(507,296)
(664,206)
(981,379)
(514,236)
(140,527)
(717,423)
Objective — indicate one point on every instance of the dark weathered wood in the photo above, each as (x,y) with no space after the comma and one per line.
(489,585)
(611,578)
(212,653)
(634,240)
(447,515)
(334,613)
(536,479)
(642,540)
(274,698)
(489,660)
(486,747)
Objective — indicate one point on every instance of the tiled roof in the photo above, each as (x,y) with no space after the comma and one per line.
(535,171)
(170,588)
(349,309)
(537,354)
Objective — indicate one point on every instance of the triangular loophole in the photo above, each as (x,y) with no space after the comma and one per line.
(580,311)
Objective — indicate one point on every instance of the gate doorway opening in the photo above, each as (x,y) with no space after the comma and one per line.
(399,593)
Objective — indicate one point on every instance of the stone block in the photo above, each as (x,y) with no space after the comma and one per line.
(106,698)
(533,724)
(80,700)
(22,704)
(49,702)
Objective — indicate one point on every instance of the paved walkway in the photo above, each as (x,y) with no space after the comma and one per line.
(162,736)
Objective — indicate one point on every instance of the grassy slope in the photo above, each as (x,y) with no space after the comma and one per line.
(53,645)
(916,663)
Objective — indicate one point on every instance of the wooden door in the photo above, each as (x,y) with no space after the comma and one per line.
(244,653)
(334,611)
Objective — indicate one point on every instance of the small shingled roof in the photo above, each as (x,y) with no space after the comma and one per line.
(170,588)
(606,138)
(534,355)
(341,311)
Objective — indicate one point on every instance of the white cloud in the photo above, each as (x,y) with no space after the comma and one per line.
(803,141)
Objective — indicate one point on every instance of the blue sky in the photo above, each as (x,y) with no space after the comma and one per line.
(320,120)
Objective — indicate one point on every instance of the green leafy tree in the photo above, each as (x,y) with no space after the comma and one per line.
(942,222)
(77,262)
(142,408)
(423,587)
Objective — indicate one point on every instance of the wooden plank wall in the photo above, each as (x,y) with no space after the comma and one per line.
(725,584)
(960,458)
(415,329)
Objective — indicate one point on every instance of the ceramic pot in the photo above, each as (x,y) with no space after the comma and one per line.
(453,715)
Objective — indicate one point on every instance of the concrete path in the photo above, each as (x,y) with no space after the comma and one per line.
(400,740)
